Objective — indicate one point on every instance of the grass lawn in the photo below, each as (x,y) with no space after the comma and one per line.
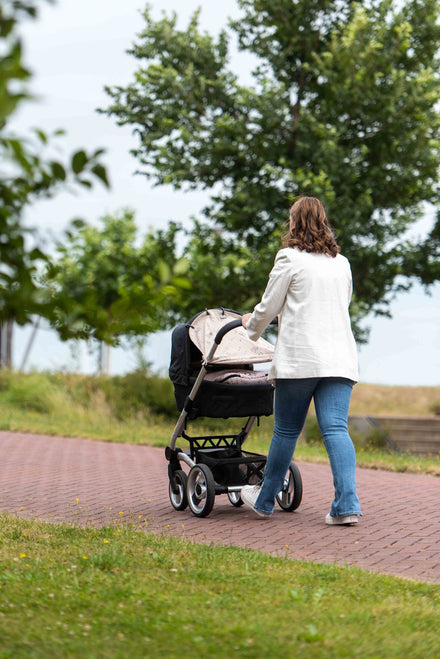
(118,592)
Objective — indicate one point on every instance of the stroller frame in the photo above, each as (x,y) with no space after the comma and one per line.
(210,456)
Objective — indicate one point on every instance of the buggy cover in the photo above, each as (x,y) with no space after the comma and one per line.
(235,348)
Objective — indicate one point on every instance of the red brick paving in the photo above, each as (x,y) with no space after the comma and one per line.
(91,482)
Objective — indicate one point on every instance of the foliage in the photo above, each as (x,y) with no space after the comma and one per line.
(221,271)
(26,175)
(105,285)
(138,394)
(31,393)
(344,106)
(375,438)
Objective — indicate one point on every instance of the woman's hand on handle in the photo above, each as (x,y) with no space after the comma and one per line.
(245,319)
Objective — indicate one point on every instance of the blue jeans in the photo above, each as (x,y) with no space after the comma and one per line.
(292,401)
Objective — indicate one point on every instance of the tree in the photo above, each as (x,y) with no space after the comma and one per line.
(107,284)
(26,174)
(344,106)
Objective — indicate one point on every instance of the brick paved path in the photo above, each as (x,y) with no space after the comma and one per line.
(91,482)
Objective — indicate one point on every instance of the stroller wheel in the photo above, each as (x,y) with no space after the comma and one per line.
(290,496)
(177,490)
(200,490)
(235,499)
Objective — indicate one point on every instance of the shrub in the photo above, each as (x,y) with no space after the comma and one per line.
(32,392)
(311,432)
(135,394)
(5,379)
(138,393)
(376,438)
(435,409)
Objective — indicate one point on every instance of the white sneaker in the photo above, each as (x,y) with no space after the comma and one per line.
(249,495)
(348,520)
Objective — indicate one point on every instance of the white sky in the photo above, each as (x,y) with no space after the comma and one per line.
(74,50)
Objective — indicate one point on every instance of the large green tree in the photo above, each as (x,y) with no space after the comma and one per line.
(344,106)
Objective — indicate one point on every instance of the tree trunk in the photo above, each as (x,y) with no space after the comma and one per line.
(6,344)
(104,359)
(30,343)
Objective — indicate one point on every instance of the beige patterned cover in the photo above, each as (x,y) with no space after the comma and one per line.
(235,348)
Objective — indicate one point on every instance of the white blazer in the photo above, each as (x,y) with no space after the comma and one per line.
(311,294)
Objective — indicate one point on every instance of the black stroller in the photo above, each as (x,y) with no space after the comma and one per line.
(212,369)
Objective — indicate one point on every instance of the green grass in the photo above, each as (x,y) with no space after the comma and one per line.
(117,592)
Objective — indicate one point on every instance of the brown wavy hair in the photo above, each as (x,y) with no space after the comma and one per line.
(309,229)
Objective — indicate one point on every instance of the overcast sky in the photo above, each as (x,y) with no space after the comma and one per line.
(74,50)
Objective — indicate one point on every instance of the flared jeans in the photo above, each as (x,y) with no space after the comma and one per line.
(292,400)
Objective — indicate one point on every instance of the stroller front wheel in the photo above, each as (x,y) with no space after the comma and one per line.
(290,496)
(235,499)
(177,490)
(200,490)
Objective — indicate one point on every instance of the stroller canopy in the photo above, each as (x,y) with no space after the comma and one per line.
(235,348)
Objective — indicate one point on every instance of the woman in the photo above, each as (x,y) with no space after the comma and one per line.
(309,289)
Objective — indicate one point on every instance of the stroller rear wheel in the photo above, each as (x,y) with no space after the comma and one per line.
(177,490)
(290,496)
(200,490)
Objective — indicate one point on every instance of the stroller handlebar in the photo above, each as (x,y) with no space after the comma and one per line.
(232,325)
(225,329)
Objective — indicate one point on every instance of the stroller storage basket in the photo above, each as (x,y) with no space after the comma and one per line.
(233,467)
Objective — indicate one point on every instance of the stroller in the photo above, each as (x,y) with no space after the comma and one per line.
(212,369)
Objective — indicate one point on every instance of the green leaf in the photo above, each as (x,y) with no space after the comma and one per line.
(164,271)
(58,171)
(42,135)
(181,282)
(79,161)
(78,223)
(181,267)
(100,172)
